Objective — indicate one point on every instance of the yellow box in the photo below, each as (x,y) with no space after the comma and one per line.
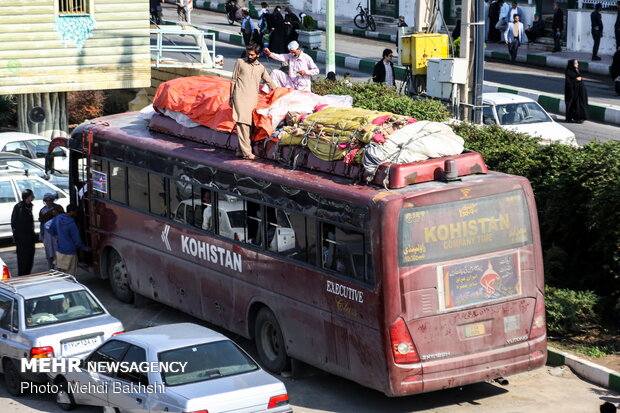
(417,48)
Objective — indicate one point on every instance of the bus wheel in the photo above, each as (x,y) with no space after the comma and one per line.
(119,278)
(270,342)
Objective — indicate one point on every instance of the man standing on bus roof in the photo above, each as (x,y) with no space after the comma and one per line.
(244,88)
(65,229)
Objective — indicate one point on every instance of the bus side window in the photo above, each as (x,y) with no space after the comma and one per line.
(137,181)
(304,231)
(158,201)
(239,220)
(343,251)
(196,207)
(181,201)
(280,234)
(204,209)
(118,183)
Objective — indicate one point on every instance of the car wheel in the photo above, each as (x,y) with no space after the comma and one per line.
(12,378)
(270,342)
(64,398)
(119,278)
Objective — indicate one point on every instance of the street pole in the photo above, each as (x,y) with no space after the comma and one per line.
(472,49)
(466,53)
(479,61)
(330,37)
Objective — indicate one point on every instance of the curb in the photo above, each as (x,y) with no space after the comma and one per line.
(551,103)
(590,371)
(551,61)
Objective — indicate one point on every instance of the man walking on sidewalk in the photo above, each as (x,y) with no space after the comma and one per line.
(597,29)
(514,36)
(557,26)
(384,69)
(65,229)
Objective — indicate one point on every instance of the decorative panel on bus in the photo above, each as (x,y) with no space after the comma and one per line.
(466,228)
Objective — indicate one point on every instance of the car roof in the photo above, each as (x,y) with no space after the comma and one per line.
(20,136)
(42,284)
(504,98)
(171,336)
(6,155)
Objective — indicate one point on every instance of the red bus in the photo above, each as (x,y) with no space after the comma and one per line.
(434,285)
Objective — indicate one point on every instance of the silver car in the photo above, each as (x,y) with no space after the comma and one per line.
(48,315)
(216,375)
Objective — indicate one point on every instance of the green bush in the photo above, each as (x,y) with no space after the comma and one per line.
(570,312)
(379,96)
(308,24)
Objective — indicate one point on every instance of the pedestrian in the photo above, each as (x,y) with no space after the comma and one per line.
(384,69)
(557,26)
(615,70)
(49,211)
(617,25)
(537,30)
(597,29)
(514,36)
(277,38)
(293,24)
(248,29)
(504,11)
(494,35)
(456,33)
(263,19)
(575,94)
(156,11)
(184,8)
(22,225)
(607,408)
(401,22)
(514,10)
(244,88)
(64,228)
(301,68)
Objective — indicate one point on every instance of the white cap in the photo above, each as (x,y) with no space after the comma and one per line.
(293,45)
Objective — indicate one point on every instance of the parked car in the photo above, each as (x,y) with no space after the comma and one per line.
(48,315)
(218,377)
(522,114)
(6,274)
(14,161)
(12,183)
(34,147)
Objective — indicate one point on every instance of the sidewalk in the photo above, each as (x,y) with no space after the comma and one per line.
(586,369)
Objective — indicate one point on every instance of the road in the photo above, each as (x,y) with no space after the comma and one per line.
(546,390)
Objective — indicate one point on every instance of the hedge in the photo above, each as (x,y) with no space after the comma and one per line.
(577,190)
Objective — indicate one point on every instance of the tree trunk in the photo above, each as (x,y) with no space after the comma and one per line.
(53,123)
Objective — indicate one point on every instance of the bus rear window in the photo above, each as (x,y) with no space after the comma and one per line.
(463,228)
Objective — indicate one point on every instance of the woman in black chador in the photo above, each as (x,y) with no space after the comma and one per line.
(575,94)
(278,37)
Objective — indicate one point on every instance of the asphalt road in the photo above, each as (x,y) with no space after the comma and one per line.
(546,390)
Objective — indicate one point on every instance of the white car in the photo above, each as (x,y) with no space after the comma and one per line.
(12,183)
(202,371)
(522,114)
(34,147)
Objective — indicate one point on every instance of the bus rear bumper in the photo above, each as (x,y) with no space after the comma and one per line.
(469,369)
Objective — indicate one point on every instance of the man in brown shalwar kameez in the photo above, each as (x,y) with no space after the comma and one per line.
(244,88)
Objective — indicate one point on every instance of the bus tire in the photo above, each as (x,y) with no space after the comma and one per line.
(270,342)
(119,278)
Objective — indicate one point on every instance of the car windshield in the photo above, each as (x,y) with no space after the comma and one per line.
(60,308)
(521,113)
(206,362)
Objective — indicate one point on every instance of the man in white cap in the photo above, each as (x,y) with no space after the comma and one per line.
(301,68)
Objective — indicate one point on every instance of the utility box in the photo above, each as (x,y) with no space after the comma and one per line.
(453,70)
(434,86)
(418,48)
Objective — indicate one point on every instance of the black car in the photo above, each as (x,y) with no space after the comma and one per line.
(9,160)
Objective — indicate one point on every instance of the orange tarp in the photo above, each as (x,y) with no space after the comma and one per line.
(204,99)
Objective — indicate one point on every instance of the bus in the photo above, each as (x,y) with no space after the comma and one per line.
(434,285)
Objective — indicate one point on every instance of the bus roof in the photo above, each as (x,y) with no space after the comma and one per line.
(130,129)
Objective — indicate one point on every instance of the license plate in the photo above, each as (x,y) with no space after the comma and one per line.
(474,330)
(80,346)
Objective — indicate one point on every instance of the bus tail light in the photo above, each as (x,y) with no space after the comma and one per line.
(236,237)
(42,352)
(403,349)
(6,274)
(539,325)
(277,401)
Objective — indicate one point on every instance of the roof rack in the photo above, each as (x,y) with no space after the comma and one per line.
(34,279)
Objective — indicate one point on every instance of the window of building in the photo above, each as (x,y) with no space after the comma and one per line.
(118,183)
(138,189)
(345,251)
(69,7)
(157,195)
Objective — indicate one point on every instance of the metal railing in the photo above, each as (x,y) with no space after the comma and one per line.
(28,280)
(164,43)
